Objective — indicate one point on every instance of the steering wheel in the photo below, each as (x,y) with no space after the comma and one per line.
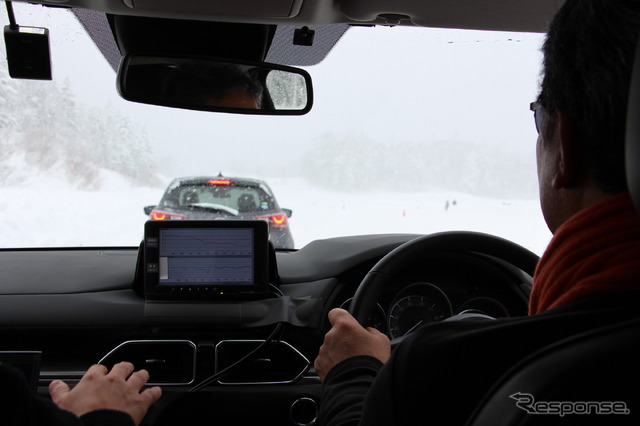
(367,294)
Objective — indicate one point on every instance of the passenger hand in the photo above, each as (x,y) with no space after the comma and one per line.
(99,388)
(346,339)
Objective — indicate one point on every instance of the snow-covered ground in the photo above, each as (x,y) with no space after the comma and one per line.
(48,213)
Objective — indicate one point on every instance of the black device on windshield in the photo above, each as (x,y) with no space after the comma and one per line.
(205,259)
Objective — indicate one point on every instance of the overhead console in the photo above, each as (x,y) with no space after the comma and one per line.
(237,9)
(206,260)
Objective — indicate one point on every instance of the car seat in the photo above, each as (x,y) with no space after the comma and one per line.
(598,367)
(588,379)
(246,203)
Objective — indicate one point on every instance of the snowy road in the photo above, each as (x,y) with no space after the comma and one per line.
(52,215)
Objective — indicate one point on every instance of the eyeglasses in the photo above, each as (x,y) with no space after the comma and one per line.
(538,114)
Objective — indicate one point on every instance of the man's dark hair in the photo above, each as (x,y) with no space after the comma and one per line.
(588,57)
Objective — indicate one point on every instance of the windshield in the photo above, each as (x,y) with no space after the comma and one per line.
(412,130)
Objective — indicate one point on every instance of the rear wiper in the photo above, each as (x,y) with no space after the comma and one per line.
(213,207)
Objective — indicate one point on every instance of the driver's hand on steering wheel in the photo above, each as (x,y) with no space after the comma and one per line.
(346,339)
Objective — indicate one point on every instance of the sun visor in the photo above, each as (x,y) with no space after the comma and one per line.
(520,15)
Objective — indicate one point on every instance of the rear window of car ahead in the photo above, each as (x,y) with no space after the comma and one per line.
(241,198)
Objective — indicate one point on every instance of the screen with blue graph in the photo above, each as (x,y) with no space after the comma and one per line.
(206,259)
(206,256)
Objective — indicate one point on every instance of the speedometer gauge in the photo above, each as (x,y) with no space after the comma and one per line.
(418,304)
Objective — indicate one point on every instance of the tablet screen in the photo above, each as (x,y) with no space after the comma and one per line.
(208,259)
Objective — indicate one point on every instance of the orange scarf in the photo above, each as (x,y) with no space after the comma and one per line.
(595,251)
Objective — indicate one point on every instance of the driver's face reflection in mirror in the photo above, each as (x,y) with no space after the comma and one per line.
(221,85)
(234,99)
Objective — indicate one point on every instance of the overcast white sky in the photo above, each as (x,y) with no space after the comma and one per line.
(393,85)
(387,85)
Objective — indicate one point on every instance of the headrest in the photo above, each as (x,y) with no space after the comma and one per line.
(246,203)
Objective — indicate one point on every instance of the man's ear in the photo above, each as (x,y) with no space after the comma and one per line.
(569,170)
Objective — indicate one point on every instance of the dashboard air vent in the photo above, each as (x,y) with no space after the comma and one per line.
(169,362)
(277,362)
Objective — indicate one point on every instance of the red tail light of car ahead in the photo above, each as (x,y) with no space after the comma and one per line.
(160,215)
(220,182)
(276,221)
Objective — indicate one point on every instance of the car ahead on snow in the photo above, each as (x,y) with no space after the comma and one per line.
(224,198)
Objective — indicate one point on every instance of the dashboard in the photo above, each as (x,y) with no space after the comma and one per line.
(214,358)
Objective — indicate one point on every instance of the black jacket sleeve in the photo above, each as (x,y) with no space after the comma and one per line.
(344,390)
(107,418)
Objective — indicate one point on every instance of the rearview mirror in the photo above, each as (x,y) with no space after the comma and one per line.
(215,84)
